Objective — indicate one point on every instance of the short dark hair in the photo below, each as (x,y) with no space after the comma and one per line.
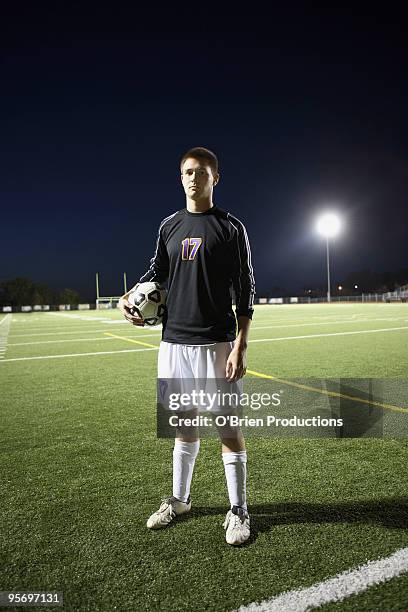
(202,154)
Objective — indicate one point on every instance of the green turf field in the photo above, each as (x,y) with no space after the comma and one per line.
(82,468)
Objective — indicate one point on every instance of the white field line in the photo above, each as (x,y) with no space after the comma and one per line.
(335,318)
(59,341)
(137,334)
(4,331)
(366,331)
(79,317)
(78,354)
(82,331)
(68,327)
(341,586)
(70,340)
(348,333)
(91,319)
(19,319)
(255,327)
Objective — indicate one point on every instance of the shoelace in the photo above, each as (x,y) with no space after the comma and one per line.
(166,504)
(238,519)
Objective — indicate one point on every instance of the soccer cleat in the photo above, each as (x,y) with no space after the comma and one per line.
(237,525)
(170,507)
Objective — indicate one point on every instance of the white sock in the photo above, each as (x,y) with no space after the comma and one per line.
(235,473)
(184,456)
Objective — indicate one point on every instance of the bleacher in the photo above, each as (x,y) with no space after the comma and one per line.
(398,295)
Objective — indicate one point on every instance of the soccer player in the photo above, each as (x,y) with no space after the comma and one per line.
(204,255)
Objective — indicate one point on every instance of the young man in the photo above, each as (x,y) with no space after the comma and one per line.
(204,254)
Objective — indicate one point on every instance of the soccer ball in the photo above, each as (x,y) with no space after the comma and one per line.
(149,302)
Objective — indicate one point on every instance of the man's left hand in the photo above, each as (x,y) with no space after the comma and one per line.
(236,364)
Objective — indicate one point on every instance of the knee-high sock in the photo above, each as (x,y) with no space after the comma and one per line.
(235,473)
(184,456)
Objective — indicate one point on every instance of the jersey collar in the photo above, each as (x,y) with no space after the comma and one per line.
(210,211)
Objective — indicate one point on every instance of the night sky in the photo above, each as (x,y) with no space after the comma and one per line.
(305,110)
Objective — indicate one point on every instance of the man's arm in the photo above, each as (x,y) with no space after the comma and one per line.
(157,273)
(159,264)
(236,363)
(244,323)
(244,288)
(243,277)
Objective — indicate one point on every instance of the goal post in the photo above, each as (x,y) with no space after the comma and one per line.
(104,302)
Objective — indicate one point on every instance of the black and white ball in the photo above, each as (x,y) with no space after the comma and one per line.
(149,302)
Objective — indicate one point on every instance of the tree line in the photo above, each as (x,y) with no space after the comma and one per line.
(364,281)
(24,292)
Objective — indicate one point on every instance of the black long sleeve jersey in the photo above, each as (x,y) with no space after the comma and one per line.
(205,259)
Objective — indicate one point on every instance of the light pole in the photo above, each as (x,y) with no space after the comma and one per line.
(328,226)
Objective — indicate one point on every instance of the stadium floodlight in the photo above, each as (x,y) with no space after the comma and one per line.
(328,225)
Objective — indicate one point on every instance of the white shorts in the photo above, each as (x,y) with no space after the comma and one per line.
(193,361)
(183,368)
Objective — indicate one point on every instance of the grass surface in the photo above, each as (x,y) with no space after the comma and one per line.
(82,469)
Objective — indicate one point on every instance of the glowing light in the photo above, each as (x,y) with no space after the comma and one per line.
(328,225)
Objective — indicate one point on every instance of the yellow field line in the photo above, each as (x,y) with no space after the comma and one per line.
(291,383)
(130,340)
(330,393)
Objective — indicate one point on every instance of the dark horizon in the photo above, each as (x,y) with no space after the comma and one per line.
(306,111)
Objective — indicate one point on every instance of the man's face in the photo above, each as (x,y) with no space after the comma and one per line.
(198,179)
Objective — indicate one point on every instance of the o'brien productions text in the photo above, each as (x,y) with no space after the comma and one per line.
(269,421)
